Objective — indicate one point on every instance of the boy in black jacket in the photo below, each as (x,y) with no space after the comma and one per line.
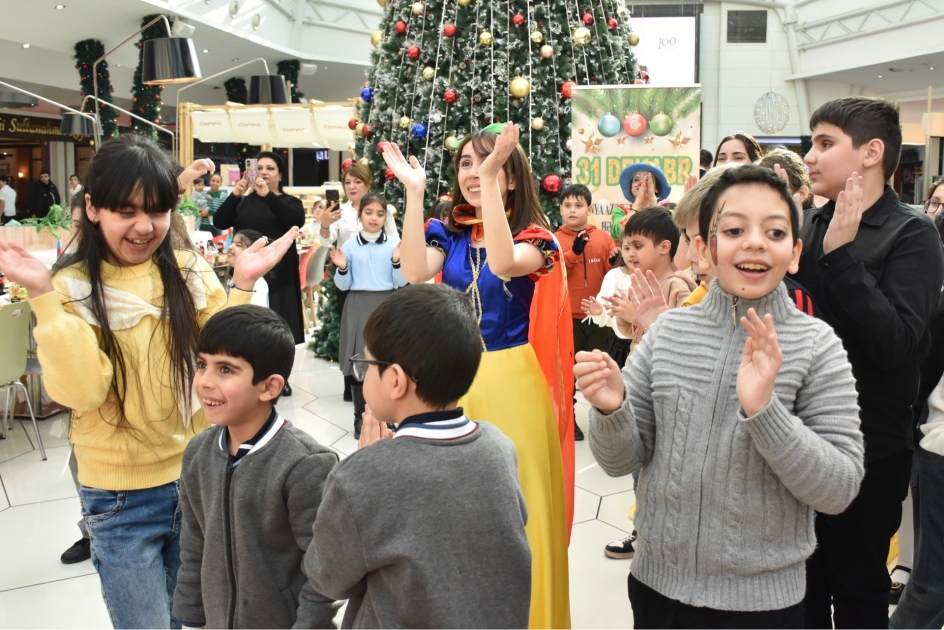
(250,487)
(874,268)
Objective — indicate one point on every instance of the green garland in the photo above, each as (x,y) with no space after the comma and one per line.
(289,69)
(147,98)
(236,91)
(86,52)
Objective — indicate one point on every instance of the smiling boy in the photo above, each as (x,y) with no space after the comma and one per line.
(741,429)
(251,485)
(874,268)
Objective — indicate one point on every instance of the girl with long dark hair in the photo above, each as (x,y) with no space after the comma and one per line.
(118,323)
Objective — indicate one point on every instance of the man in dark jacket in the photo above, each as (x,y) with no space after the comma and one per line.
(874,268)
(42,195)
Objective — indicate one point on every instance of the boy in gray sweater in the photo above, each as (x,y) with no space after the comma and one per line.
(741,430)
(423,527)
(250,487)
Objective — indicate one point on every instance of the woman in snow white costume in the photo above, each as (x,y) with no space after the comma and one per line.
(497,248)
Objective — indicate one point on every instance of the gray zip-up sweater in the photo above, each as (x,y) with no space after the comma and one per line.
(725,502)
(421,533)
(246,530)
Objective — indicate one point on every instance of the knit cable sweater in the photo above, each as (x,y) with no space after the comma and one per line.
(726,502)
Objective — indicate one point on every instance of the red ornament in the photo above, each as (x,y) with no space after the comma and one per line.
(450,96)
(449,30)
(401,27)
(551,183)
(381,146)
(518,19)
(635,125)
(351,124)
(389,174)
(413,52)
(346,164)
(639,82)
(587,19)
(368,132)
(567,89)
(612,23)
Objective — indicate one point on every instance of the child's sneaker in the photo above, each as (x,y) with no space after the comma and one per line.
(623,549)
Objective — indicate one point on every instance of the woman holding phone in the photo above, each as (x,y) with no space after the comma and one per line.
(263,207)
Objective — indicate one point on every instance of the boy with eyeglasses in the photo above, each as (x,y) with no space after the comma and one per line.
(424,527)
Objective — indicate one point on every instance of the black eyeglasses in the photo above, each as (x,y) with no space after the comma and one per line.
(933,205)
(360,364)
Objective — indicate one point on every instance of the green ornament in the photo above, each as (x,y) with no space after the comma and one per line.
(661,124)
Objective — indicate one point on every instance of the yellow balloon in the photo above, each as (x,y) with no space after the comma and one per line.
(485,38)
(581,36)
(376,37)
(519,87)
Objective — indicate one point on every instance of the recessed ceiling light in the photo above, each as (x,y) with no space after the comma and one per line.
(26,45)
(879,76)
(206,50)
(931,68)
(257,21)
(117,65)
(60,7)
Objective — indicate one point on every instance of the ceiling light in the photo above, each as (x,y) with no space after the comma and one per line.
(257,21)
(206,50)
(308,68)
(879,76)
(26,45)
(233,8)
(931,68)
(60,7)
(169,60)
(182,28)
(117,65)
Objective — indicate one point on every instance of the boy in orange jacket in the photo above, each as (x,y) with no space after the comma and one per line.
(588,252)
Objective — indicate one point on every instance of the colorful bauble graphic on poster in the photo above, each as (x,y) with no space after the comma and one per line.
(551,183)
(635,124)
(419,131)
(609,125)
(661,124)
(519,87)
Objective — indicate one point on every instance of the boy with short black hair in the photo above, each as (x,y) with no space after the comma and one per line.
(250,487)
(741,430)
(587,254)
(874,268)
(424,527)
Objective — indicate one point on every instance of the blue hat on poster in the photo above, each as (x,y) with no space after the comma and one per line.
(626,180)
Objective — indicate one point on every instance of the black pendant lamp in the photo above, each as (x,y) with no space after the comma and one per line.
(76,125)
(169,60)
(268,89)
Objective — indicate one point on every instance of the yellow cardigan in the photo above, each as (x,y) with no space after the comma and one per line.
(149,450)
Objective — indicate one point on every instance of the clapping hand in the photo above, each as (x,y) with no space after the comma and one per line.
(372,430)
(850,205)
(648,299)
(600,380)
(410,174)
(760,365)
(25,269)
(504,146)
(619,305)
(258,259)
(590,306)
(338,258)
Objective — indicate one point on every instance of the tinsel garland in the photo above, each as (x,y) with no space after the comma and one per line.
(86,52)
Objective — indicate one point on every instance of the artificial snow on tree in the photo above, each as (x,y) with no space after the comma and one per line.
(86,52)
(444,68)
(146,101)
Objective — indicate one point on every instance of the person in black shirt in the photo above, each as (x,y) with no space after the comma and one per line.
(874,268)
(42,195)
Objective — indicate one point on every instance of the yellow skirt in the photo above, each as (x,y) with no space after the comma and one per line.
(510,392)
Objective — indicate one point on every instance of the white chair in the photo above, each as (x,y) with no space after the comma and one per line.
(14,339)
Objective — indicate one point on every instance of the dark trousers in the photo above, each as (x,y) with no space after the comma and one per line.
(654,610)
(587,336)
(847,569)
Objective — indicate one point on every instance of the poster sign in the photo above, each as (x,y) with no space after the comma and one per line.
(615,126)
(666,49)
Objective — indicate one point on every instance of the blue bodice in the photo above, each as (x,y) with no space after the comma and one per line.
(503,306)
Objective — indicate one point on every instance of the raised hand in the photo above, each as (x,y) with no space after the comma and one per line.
(620,305)
(690,183)
(240,188)
(372,430)
(590,306)
(258,259)
(504,146)
(850,205)
(199,168)
(25,269)
(338,258)
(647,299)
(760,365)
(411,174)
(599,380)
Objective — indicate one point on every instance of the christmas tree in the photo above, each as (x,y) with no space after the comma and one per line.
(86,53)
(444,68)
(147,98)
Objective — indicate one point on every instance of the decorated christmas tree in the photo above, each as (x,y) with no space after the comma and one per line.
(86,53)
(443,68)
(147,98)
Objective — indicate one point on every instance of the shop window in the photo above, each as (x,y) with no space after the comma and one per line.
(747,27)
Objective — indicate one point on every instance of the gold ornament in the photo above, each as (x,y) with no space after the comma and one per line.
(547,51)
(581,35)
(649,138)
(376,37)
(485,38)
(418,8)
(537,123)
(580,131)
(405,122)
(592,144)
(519,87)
(633,39)
(679,140)
(428,73)
(382,3)
(621,140)
(464,3)
(537,37)
(451,143)
(359,129)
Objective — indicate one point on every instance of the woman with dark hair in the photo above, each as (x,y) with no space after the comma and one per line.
(740,148)
(267,210)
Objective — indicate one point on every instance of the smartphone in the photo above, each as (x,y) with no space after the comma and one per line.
(251,172)
(332,196)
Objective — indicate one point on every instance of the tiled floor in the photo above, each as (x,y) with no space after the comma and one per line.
(39,509)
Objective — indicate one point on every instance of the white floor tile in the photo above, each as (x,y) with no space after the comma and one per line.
(320,429)
(28,479)
(16,443)
(346,444)
(75,603)
(55,430)
(299,398)
(614,510)
(334,410)
(586,505)
(591,477)
(598,597)
(321,382)
(34,537)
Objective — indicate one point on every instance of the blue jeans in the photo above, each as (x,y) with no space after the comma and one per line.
(136,550)
(922,602)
